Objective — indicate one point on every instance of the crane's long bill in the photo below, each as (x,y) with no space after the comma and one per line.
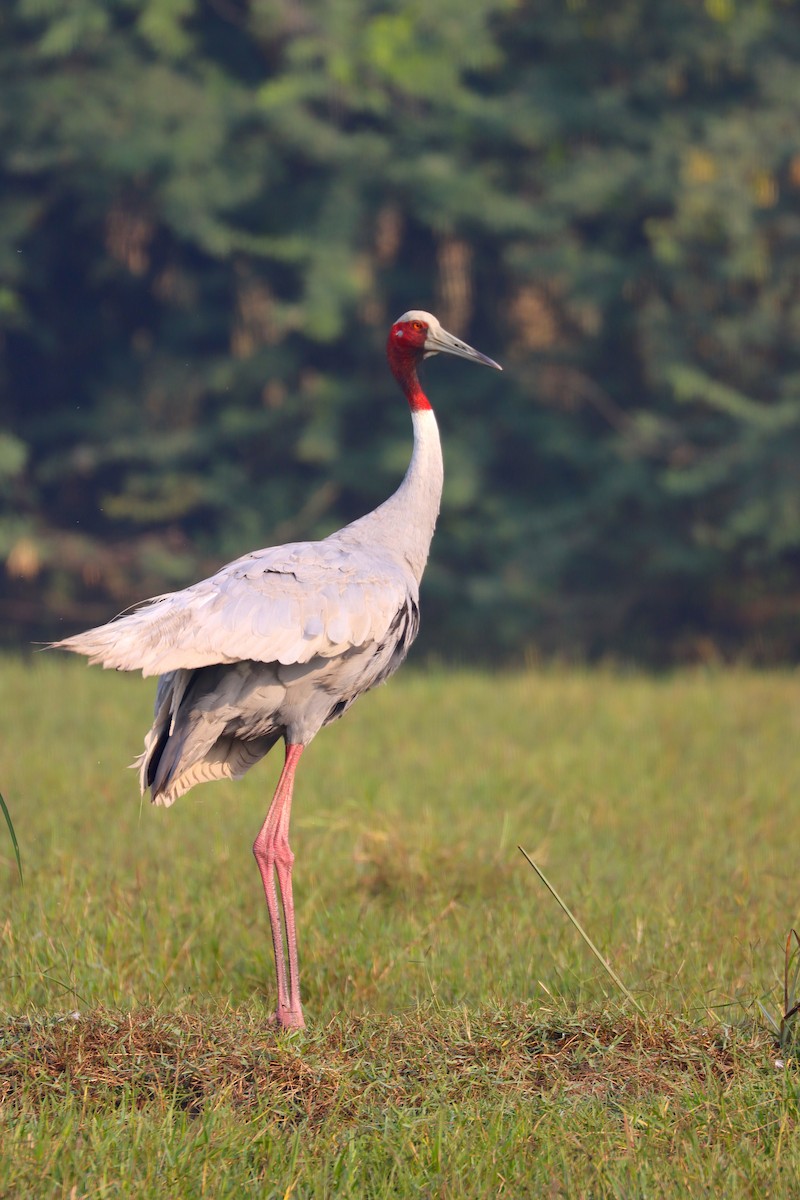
(442,342)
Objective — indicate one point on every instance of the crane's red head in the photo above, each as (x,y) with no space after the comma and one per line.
(417,335)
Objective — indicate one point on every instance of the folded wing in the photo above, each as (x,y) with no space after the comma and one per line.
(287,604)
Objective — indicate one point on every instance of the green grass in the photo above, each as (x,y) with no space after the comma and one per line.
(462,1039)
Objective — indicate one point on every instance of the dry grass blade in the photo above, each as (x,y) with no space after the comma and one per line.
(14,841)
(600,958)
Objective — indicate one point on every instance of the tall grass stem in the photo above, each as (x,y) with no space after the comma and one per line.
(14,841)
(600,958)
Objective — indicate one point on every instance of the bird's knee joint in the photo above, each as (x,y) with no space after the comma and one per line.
(284,857)
(263,853)
(269,854)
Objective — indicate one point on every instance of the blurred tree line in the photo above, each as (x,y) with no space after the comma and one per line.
(211,210)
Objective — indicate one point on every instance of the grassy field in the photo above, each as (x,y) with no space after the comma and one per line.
(462,1040)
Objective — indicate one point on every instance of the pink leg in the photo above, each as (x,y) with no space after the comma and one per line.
(274,857)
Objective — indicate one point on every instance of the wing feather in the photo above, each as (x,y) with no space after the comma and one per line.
(287,604)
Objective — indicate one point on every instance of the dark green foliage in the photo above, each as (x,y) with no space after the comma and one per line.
(210,211)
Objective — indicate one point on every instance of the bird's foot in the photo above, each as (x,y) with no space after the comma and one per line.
(288,1018)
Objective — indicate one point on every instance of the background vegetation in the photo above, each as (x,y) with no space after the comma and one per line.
(210,210)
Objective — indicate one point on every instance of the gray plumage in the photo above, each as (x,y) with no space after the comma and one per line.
(282,641)
(342,622)
(279,642)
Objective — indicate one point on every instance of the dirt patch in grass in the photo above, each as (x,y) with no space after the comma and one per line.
(195,1061)
(152,1057)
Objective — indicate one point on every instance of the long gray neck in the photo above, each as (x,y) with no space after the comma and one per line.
(404,523)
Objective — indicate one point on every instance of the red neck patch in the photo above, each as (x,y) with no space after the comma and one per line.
(404,350)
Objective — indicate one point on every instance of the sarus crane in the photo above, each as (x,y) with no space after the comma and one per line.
(282,641)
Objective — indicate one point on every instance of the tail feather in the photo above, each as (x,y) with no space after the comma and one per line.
(228,758)
(171,691)
(191,740)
